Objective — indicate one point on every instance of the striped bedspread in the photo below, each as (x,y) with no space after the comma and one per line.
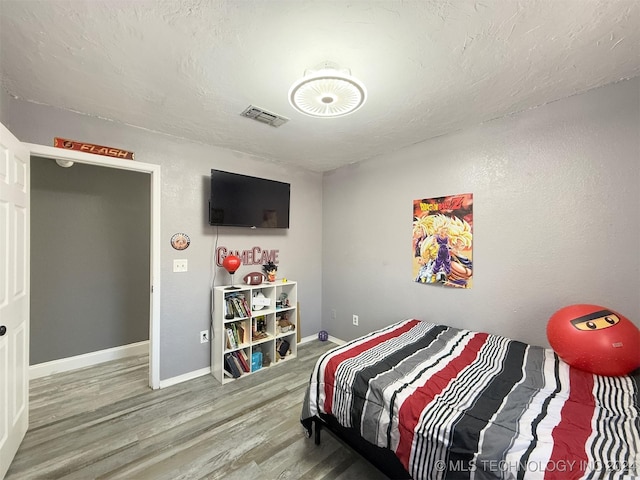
(455,403)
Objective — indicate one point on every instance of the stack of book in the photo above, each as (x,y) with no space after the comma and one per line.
(235,335)
(236,363)
(237,305)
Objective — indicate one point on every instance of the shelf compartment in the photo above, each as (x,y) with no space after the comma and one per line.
(236,334)
(267,349)
(285,322)
(237,363)
(285,294)
(261,301)
(236,304)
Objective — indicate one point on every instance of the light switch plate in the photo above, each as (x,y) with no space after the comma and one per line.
(180,265)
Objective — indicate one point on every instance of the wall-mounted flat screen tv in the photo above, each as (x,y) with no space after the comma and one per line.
(243,201)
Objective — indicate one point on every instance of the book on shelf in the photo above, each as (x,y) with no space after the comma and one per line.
(242,359)
(236,304)
(236,360)
(245,356)
(237,334)
(239,330)
(236,307)
(233,306)
(230,307)
(231,365)
(245,305)
(231,339)
(241,312)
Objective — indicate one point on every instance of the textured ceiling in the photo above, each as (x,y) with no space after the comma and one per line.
(190,67)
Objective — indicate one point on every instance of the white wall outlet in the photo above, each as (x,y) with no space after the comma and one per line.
(204,336)
(333,314)
(355,320)
(180,265)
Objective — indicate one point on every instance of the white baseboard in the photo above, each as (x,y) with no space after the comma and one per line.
(184,377)
(310,338)
(207,370)
(87,359)
(115,353)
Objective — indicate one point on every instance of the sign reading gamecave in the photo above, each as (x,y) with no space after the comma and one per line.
(252,256)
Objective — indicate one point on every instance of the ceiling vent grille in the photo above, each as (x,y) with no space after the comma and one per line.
(262,116)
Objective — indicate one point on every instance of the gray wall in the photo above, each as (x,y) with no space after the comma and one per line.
(556,221)
(89,259)
(4,100)
(185,297)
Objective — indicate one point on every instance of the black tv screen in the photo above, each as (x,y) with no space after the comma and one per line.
(243,201)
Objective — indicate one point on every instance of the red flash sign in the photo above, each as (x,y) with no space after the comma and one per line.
(91,148)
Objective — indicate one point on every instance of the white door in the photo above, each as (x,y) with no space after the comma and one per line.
(14,295)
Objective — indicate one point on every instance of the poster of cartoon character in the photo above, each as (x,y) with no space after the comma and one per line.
(443,241)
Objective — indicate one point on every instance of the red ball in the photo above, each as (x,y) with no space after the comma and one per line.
(231,263)
(595,339)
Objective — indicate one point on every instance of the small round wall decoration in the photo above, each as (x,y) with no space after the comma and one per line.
(180,241)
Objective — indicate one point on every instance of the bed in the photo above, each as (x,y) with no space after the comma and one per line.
(428,401)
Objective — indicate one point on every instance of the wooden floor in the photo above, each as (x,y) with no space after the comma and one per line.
(104,422)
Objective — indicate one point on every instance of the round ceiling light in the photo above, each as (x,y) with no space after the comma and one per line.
(327,92)
(65,163)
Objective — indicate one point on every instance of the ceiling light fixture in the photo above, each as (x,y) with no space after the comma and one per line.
(328,91)
(65,163)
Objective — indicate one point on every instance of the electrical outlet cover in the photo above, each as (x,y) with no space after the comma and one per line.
(180,265)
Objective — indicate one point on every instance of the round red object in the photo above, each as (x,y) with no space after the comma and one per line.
(231,263)
(595,339)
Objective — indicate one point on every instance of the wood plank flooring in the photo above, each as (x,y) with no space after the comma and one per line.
(104,422)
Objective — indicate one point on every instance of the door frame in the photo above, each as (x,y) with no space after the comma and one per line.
(154,261)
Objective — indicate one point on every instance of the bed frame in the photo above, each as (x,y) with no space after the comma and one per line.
(381,458)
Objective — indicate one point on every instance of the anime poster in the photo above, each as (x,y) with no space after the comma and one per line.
(443,240)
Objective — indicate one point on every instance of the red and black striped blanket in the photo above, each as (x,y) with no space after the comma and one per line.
(455,403)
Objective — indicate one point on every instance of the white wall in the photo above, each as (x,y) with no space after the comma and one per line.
(186,166)
(556,221)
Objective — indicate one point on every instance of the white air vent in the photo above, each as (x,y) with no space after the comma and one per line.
(263,116)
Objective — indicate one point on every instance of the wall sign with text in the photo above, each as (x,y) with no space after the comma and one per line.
(252,256)
(180,241)
(91,148)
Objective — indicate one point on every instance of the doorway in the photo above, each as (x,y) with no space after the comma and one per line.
(89,265)
(154,234)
